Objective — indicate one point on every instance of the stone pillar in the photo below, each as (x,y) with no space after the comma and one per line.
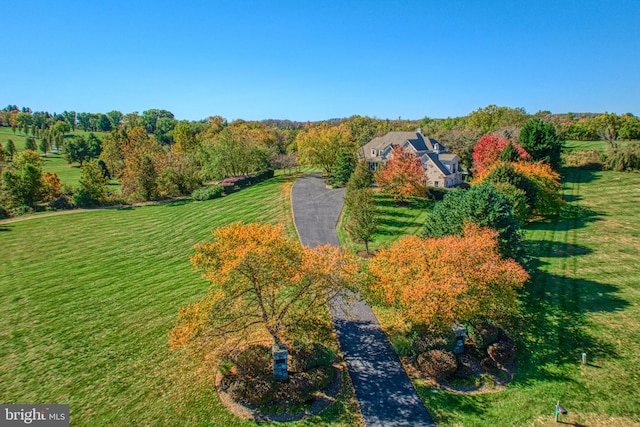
(280,362)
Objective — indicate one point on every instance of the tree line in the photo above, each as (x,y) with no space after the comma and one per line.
(152,155)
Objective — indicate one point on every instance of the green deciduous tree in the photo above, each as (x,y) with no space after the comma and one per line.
(80,149)
(93,190)
(30,144)
(319,145)
(22,181)
(11,149)
(61,127)
(112,153)
(115,117)
(362,218)
(183,138)
(236,150)
(104,124)
(361,178)
(147,179)
(43,146)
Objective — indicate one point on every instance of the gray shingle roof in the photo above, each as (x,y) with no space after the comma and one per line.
(416,139)
(434,158)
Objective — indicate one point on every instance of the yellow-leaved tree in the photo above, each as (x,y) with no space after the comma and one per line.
(320,145)
(260,280)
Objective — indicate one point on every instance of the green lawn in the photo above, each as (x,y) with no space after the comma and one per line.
(395,222)
(584,296)
(68,173)
(589,145)
(89,298)
(6,134)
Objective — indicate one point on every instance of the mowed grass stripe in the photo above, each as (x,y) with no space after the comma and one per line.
(88,300)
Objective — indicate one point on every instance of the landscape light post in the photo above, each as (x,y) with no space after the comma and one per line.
(280,366)
(460,333)
(560,410)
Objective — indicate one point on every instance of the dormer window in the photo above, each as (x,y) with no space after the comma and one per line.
(373,152)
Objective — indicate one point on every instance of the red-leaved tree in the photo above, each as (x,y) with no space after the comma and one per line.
(403,176)
(487,151)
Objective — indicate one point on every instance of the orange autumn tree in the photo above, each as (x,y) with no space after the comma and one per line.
(438,281)
(538,181)
(403,176)
(260,280)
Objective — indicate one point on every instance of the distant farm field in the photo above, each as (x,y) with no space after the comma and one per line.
(589,145)
(89,298)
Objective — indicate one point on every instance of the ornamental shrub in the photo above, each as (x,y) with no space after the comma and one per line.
(437,364)
(207,193)
(310,356)
(502,352)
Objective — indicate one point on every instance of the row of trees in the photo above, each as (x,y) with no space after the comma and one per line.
(263,281)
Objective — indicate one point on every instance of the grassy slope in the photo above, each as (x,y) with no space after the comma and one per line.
(583,297)
(68,173)
(589,145)
(88,299)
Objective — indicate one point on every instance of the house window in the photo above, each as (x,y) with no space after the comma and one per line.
(437,183)
(373,152)
(372,166)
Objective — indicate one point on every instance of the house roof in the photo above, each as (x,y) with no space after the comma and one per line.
(434,158)
(416,139)
(447,157)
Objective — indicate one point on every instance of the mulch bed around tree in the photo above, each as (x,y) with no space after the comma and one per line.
(500,379)
(321,401)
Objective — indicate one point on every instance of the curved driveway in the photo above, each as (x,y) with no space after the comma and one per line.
(385,393)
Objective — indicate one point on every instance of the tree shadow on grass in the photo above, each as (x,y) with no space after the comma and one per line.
(571,217)
(3,228)
(555,331)
(554,250)
(574,174)
(392,226)
(571,198)
(180,202)
(386,201)
(441,404)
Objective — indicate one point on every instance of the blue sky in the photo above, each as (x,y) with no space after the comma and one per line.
(303,60)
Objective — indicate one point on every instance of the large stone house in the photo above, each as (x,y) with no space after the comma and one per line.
(441,169)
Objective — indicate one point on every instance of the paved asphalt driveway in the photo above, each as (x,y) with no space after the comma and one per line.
(385,393)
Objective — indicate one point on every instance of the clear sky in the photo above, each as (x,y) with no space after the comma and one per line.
(304,60)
